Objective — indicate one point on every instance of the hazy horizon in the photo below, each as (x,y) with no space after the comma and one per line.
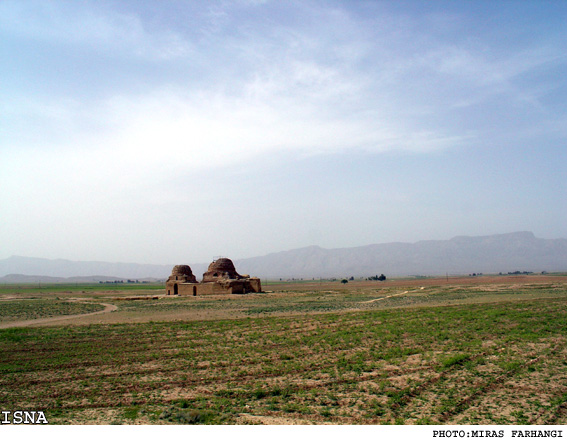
(515,233)
(159,132)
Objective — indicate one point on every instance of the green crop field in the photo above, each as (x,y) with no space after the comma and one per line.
(73,288)
(448,354)
(13,310)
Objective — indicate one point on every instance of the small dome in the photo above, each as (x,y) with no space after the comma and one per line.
(181,270)
(182,274)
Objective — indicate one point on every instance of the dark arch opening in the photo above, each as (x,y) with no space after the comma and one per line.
(194,290)
(175,289)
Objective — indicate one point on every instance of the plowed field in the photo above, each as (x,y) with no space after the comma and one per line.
(481,353)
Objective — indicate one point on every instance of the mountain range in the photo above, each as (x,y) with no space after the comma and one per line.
(520,251)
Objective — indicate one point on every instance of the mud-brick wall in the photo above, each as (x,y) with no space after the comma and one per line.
(253,284)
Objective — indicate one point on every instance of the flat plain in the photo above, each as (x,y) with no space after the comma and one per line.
(471,350)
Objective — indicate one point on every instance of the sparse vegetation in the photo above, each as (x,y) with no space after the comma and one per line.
(482,354)
(45,288)
(12,310)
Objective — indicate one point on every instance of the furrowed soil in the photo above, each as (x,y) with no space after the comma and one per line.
(477,350)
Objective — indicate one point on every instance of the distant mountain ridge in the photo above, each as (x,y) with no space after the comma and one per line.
(23,278)
(520,251)
(61,268)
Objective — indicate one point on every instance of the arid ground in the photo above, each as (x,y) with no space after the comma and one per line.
(471,350)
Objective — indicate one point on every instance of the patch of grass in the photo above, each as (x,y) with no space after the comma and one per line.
(259,394)
(131,413)
(397,397)
(455,360)
(14,335)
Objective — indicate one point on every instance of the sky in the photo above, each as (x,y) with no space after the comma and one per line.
(178,131)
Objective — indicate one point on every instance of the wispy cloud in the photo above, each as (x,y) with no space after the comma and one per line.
(90,27)
(108,103)
(284,90)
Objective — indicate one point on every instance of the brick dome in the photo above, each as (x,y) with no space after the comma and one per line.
(222,268)
(182,273)
(181,270)
(221,278)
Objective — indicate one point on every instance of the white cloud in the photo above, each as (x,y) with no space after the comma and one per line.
(207,130)
(292,90)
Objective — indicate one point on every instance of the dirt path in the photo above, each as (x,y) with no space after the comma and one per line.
(23,323)
(393,295)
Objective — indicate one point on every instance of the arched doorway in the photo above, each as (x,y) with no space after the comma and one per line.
(175,289)
(194,290)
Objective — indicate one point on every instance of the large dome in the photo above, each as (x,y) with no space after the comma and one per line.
(222,268)
(222,265)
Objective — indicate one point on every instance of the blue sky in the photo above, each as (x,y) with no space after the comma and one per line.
(175,131)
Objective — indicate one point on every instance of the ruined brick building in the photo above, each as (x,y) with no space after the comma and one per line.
(221,278)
